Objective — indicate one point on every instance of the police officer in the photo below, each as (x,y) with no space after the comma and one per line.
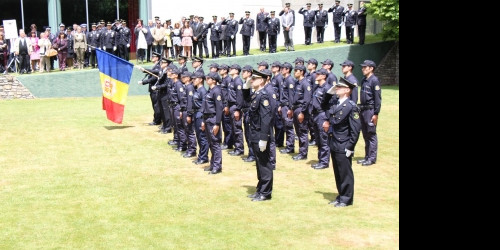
(195,109)
(214,67)
(231,31)
(262,27)
(338,15)
(212,116)
(235,105)
(182,63)
(247,29)
(109,39)
(287,90)
(178,104)
(299,106)
(93,39)
(261,123)
(351,19)
(276,81)
(273,100)
(347,68)
(273,29)
(124,41)
(309,19)
(312,64)
(226,122)
(151,81)
(370,104)
(187,115)
(321,23)
(262,65)
(197,64)
(343,128)
(362,12)
(246,74)
(319,106)
(163,96)
(299,61)
(215,29)
(328,65)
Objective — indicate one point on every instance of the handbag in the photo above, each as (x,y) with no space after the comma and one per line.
(52,52)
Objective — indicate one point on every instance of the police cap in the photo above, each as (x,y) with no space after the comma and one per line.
(168,20)
(182,57)
(223,66)
(109,23)
(176,71)
(257,74)
(337,1)
(263,63)
(308,4)
(349,5)
(247,12)
(328,62)
(186,74)
(157,17)
(93,24)
(69,29)
(117,20)
(213,76)
(236,66)
(287,4)
(320,4)
(156,54)
(214,16)
(231,13)
(301,68)
(201,18)
(62,25)
(124,22)
(102,21)
(347,63)
(214,65)
(344,83)
(276,64)
(47,28)
(164,59)
(197,59)
(287,66)
(198,74)
(171,67)
(322,72)
(299,60)
(247,68)
(272,12)
(266,72)
(368,63)
(313,61)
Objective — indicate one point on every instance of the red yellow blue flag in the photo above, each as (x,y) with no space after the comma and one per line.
(115,76)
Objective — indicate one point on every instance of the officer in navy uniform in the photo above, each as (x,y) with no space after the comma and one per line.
(347,68)
(195,109)
(231,31)
(178,104)
(171,86)
(197,64)
(328,65)
(300,105)
(109,39)
(93,39)
(343,129)
(212,116)
(163,96)
(228,142)
(124,41)
(215,29)
(262,27)
(273,100)
(276,81)
(247,29)
(321,23)
(151,81)
(287,91)
(235,105)
(351,19)
(261,124)
(182,63)
(320,105)
(246,74)
(370,103)
(312,64)
(273,29)
(362,12)
(309,20)
(187,115)
(338,17)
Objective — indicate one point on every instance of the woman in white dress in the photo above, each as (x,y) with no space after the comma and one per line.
(140,42)
(176,39)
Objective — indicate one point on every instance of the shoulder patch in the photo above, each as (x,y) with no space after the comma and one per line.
(274,96)
(377,87)
(239,86)
(308,88)
(356,115)
(219,98)
(181,90)
(291,86)
(190,92)
(266,103)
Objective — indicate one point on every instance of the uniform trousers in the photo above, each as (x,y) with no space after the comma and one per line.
(216,46)
(361,33)
(189,132)
(369,135)
(246,124)
(164,110)
(201,137)
(301,129)
(288,128)
(272,43)
(246,44)
(237,129)
(264,170)
(337,28)
(344,177)
(262,40)
(322,139)
(308,33)
(320,33)
(156,108)
(349,33)
(228,130)
(279,134)
(181,134)
(214,143)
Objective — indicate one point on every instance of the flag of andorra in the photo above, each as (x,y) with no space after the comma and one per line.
(115,76)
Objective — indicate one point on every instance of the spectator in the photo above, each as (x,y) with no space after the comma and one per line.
(35,54)
(176,39)
(3,54)
(149,40)
(168,39)
(80,44)
(140,40)
(45,45)
(22,49)
(61,45)
(71,52)
(187,41)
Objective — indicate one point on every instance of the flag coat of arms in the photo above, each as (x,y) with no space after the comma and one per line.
(115,76)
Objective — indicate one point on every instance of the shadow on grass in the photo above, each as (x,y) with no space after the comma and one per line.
(117,127)
(328,196)
(250,189)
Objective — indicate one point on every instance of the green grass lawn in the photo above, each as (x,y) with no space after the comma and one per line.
(69,178)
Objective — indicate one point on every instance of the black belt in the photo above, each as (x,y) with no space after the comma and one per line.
(206,116)
(315,112)
(365,106)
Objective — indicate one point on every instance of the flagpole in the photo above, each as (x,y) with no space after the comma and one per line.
(22,13)
(117,9)
(135,66)
(87,10)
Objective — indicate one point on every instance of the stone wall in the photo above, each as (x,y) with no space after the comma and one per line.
(11,88)
(388,69)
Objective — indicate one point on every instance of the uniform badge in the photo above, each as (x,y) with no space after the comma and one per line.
(219,98)
(274,96)
(266,103)
(344,105)
(308,88)
(377,87)
(181,90)
(291,86)
(191,93)
(239,86)
(356,115)
(334,83)
(341,112)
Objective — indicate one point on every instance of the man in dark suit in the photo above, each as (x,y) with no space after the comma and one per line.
(338,15)
(200,36)
(362,12)
(262,26)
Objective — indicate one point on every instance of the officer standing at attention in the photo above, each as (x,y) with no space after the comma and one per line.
(273,29)
(198,99)
(187,115)
(276,81)
(347,68)
(246,32)
(309,19)
(370,104)
(273,100)
(343,128)
(331,78)
(231,31)
(109,39)
(262,26)
(178,104)
(124,44)
(246,74)
(362,12)
(235,104)
(163,97)
(151,81)
(351,19)
(321,23)
(226,121)
(261,123)
(215,29)
(212,116)
(300,104)
(287,90)
(320,105)
(338,16)
(93,39)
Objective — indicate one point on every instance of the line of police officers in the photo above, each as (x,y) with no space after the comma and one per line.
(261,107)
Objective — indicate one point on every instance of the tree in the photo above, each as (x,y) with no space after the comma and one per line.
(386,11)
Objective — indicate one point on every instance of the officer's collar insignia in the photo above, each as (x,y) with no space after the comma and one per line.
(266,103)
(356,115)
(219,98)
(377,87)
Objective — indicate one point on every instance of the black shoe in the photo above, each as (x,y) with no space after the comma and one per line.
(223,147)
(312,143)
(235,153)
(262,198)
(287,151)
(153,123)
(249,159)
(299,157)
(199,162)
(321,166)
(180,149)
(215,171)
(334,202)
(186,155)
(360,161)
(254,195)
(172,143)
(367,163)
(314,165)
(340,204)
(209,168)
